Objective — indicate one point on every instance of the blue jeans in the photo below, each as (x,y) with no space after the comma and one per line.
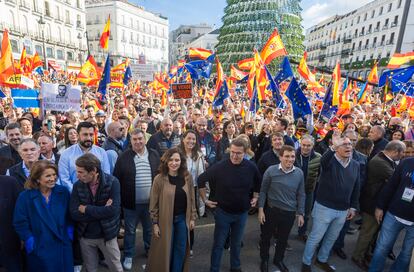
(389,232)
(178,243)
(327,223)
(132,218)
(225,223)
(308,210)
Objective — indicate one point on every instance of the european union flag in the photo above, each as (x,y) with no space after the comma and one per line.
(402,75)
(200,68)
(328,110)
(272,86)
(2,95)
(222,94)
(105,79)
(300,103)
(127,75)
(254,102)
(285,72)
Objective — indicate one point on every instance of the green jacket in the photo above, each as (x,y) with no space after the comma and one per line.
(313,169)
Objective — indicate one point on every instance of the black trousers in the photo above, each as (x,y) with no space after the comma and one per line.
(282,221)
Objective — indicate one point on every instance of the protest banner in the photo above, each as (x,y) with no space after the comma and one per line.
(182,90)
(60,97)
(143,72)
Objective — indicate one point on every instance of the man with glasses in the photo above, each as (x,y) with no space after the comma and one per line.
(336,201)
(233,179)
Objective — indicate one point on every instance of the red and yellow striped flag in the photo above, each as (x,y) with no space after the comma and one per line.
(104,40)
(399,59)
(246,64)
(373,75)
(273,48)
(336,78)
(6,60)
(199,53)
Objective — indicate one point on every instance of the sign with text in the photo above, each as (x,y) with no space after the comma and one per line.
(143,72)
(182,90)
(60,97)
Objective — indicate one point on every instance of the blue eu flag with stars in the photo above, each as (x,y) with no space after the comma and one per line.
(300,103)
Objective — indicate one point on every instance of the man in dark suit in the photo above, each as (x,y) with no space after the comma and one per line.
(29,151)
(10,250)
(8,154)
(45,143)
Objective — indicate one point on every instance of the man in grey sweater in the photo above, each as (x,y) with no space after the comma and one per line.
(281,199)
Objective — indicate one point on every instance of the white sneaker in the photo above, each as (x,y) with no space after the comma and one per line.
(77,268)
(127,264)
(191,253)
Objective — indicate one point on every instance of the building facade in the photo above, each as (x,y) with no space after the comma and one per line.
(359,38)
(55,28)
(135,33)
(181,37)
(206,41)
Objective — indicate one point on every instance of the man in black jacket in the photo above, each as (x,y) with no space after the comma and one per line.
(10,253)
(9,155)
(271,156)
(165,138)
(377,135)
(95,205)
(136,169)
(113,144)
(29,151)
(396,198)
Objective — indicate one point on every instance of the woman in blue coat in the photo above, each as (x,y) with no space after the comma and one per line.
(41,219)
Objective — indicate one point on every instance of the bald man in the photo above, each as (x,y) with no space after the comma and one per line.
(113,144)
(165,138)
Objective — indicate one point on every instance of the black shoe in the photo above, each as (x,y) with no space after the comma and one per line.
(324,266)
(282,267)
(235,270)
(264,266)
(341,254)
(306,268)
(391,256)
(361,264)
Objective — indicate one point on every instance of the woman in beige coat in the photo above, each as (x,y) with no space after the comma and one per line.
(173,213)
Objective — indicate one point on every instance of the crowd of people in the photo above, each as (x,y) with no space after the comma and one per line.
(71,181)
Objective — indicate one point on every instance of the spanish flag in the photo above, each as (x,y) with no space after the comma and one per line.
(236,74)
(104,40)
(220,77)
(336,78)
(261,78)
(23,61)
(246,64)
(303,69)
(89,73)
(273,48)
(36,61)
(399,59)
(373,75)
(199,53)
(6,59)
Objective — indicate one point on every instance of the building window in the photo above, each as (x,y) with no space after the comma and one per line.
(67,17)
(49,52)
(373,13)
(392,38)
(47,9)
(39,50)
(374,43)
(69,55)
(29,50)
(365,17)
(389,7)
(123,19)
(395,21)
(386,22)
(59,54)
(381,10)
(369,28)
(378,26)
(15,46)
(399,3)
(78,5)
(388,54)
(382,39)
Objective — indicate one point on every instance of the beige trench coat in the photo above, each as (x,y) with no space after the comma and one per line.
(162,210)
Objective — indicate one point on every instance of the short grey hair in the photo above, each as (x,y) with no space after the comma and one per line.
(395,145)
(379,128)
(307,137)
(29,140)
(137,131)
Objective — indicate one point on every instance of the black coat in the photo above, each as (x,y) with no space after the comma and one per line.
(17,172)
(111,144)
(379,146)
(222,146)
(125,171)
(8,158)
(10,190)
(268,159)
(97,211)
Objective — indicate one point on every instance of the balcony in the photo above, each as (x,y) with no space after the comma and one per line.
(385,27)
(79,25)
(11,2)
(376,29)
(89,23)
(390,42)
(24,5)
(59,19)
(346,52)
(322,46)
(37,11)
(68,22)
(347,40)
(394,24)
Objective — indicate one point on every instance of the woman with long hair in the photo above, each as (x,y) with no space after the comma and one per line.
(173,214)
(42,220)
(71,138)
(229,133)
(190,148)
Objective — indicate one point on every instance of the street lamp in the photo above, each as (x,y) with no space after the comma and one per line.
(42,23)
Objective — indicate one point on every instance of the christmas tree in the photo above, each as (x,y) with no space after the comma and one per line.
(247,24)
